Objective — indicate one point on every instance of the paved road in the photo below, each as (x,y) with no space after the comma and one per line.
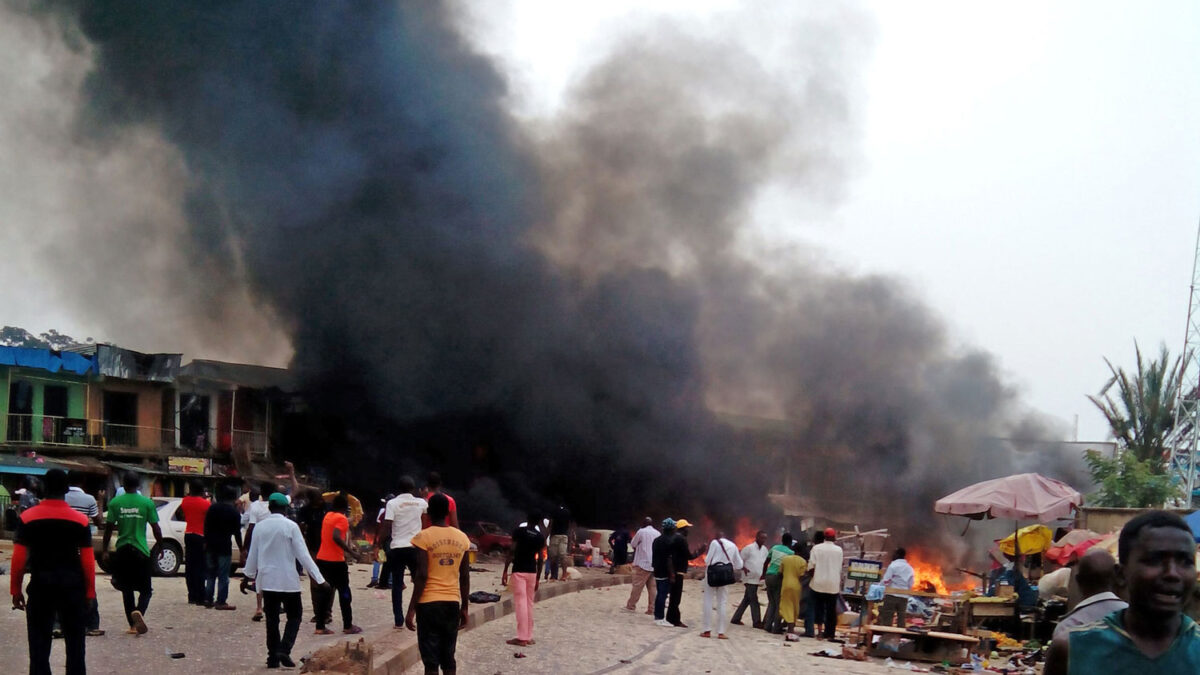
(590,633)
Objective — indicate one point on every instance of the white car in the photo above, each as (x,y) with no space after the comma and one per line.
(168,553)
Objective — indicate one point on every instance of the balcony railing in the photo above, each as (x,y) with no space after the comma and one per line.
(63,431)
(255,443)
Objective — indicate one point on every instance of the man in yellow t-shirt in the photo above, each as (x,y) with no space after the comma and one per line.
(438,606)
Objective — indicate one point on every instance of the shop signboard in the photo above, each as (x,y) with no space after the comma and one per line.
(859,569)
(197,466)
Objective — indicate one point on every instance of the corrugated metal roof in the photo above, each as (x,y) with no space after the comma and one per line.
(241,374)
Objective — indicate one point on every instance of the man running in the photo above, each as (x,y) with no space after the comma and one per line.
(221,523)
(438,607)
(194,507)
(1157,567)
(129,513)
(271,563)
(54,544)
(331,560)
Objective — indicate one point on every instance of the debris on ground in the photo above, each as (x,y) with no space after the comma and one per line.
(346,658)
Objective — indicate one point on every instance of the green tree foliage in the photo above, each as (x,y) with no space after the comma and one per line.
(1142,413)
(1126,481)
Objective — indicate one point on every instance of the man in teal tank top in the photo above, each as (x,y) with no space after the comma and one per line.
(1157,572)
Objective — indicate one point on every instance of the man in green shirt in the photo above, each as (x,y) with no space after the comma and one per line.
(1157,571)
(129,513)
(774,581)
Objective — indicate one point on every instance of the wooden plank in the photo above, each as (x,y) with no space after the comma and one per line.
(893,630)
(953,636)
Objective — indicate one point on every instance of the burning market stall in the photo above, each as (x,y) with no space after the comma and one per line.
(1027,496)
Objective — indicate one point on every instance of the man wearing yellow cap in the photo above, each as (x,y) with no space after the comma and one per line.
(680,556)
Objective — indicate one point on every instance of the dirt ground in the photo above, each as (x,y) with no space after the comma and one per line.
(213,642)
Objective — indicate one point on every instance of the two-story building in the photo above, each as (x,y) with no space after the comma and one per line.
(102,410)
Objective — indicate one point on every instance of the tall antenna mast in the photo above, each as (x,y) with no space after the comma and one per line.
(1182,441)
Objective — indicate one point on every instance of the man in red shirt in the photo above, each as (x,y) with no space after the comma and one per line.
(433,486)
(331,560)
(194,507)
(54,544)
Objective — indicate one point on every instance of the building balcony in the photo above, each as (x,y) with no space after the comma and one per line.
(66,433)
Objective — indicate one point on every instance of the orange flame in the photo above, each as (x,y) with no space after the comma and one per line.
(743,535)
(928,574)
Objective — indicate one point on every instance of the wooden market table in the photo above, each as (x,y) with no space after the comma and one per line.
(933,646)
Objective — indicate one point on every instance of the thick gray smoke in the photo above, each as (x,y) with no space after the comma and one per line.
(559,305)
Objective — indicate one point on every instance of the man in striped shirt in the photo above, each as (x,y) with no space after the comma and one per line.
(86,505)
(54,545)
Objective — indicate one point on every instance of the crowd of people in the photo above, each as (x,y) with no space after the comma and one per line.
(417,531)
(283,537)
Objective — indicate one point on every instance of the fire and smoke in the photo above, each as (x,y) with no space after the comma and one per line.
(559,304)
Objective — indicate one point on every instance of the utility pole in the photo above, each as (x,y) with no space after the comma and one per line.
(1182,441)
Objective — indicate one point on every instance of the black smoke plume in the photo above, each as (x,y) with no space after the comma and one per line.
(557,305)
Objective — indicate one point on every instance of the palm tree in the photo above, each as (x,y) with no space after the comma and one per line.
(1143,413)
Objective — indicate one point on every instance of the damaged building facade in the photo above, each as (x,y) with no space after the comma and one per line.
(101,410)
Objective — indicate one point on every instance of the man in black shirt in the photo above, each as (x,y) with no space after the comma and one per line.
(526,558)
(660,560)
(310,517)
(618,543)
(221,522)
(54,545)
(678,561)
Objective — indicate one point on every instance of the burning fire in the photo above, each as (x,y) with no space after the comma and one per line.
(742,535)
(928,573)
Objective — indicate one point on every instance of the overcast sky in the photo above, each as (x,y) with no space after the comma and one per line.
(1032,170)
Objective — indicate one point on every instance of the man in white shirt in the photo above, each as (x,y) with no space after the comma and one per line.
(720,550)
(1096,575)
(899,576)
(401,522)
(826,562)
(86,504)
(754,555)
(277,546)
(643,567)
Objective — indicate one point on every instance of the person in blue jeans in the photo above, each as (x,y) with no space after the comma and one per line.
(221,523)
(660,560)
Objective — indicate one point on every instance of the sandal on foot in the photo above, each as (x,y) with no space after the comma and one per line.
(258,616)
(515,642)
(706,634)
(322,631)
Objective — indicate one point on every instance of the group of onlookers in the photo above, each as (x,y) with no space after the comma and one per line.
(790,571)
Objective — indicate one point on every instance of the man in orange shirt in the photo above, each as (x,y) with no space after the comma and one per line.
(438,607)
(194,507)
(331,560)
